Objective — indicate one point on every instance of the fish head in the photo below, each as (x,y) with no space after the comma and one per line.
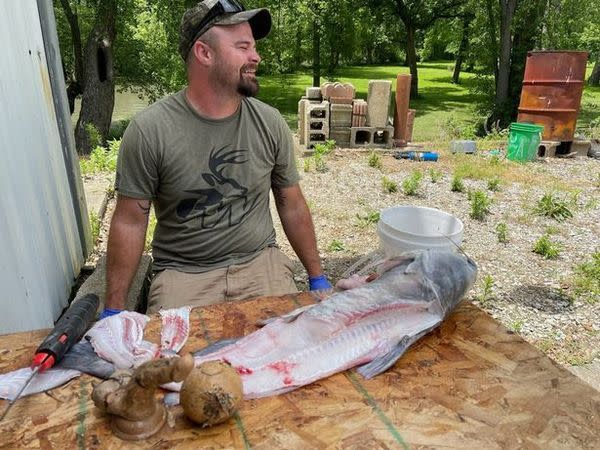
(450,275)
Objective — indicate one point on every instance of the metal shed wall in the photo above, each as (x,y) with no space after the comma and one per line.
(42,242)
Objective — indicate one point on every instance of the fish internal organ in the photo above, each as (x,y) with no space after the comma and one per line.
(369,326)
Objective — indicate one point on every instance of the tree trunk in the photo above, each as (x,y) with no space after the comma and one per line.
(594,79)
(527,33)
(493,39)
(74,85)
(316,54)
(507,10)
(411,59)
(99,90)
(462,49)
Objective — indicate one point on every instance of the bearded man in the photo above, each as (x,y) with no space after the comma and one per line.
(207,158)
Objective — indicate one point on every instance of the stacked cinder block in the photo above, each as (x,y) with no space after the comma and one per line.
(376,132)
(332,112)
(316,125)
(340,97)
(313,96)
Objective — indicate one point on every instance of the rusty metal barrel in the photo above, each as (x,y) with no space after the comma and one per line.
(552,89)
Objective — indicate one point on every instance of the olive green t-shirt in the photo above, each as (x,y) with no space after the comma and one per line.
(209,180)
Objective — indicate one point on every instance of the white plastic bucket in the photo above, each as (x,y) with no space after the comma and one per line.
(406,228)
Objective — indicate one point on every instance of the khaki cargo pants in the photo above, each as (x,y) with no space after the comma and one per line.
(269,274)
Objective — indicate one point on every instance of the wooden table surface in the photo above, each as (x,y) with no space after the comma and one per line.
(469,384)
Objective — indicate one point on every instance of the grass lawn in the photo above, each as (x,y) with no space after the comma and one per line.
(439,99)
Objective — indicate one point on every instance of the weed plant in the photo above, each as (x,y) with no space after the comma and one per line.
(553,207)
(306,163)
(320,153)
(516,326)
(587,279)
(101,159)
(369,218)
(480,204)
(493,184)
(389,186)
(94,136)
(410,185)
(457,184)
(487,290)
(547,248)
(375,160)
(95,225)
(502,232)
(435,175)
(336,246)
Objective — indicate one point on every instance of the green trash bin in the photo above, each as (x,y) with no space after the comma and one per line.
(523,141)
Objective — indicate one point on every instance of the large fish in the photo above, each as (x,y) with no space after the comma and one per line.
(369,326)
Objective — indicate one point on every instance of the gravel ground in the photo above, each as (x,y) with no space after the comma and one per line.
(531,295)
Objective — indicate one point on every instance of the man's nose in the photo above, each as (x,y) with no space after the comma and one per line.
(255,57)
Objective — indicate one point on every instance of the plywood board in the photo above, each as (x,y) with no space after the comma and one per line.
(470,384)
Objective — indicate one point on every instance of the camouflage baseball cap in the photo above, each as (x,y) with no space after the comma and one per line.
(198,19)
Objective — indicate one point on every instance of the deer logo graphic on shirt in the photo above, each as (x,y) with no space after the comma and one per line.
(216,202)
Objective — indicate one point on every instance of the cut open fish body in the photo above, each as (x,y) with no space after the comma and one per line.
(369,326)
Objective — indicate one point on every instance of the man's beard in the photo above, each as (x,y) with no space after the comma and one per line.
(247,87)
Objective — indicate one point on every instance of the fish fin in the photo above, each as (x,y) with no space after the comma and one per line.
(214,347)
(287,318)
(83,358)
(384,362)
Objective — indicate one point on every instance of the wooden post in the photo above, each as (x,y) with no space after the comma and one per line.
(401,114)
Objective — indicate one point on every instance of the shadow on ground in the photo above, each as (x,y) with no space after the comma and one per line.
(541,298)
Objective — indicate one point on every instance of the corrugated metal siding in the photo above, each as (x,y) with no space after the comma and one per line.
(40,246)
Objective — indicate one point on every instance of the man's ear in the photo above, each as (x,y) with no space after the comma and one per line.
(203,53)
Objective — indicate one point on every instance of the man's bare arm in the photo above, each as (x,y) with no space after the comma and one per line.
(125,245)
(298,226)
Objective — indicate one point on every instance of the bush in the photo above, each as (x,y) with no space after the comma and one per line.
(375,160)
(493,184)
(502,232)
(555,208)
(101,159)
(587,279)
(457,184)
(410,185)
(435,175)
(389,186)
(545,247)
(480,204)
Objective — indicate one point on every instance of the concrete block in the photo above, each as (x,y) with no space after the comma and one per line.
(547,149)
(318,110)
(371,137)
(463,146)
(340,115)
(315,128)
(378,103)
(316,137)
(340,100)
(302,119)
(341,136)
(138,293)
(313,93)
(581,147)
(338,91)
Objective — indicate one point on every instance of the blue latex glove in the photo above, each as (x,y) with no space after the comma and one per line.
(109,312)
(319,283)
